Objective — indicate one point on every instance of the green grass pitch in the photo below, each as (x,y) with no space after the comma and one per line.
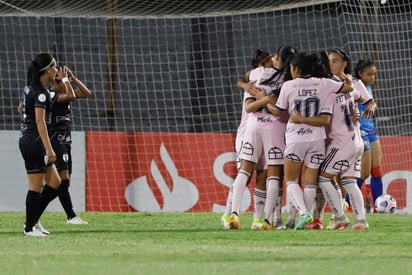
(194,243)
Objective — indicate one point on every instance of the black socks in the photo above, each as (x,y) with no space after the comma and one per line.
(65,199)
(32,209)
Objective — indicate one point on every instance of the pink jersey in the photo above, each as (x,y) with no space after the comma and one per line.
(263,78)
(259,75)
(345,145)
(341,128)
(240,133)
(363,91)
(242,125)
(312,97)
(263,117)
(263,138)
(345,148)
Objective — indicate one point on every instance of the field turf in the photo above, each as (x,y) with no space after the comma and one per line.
(194,243)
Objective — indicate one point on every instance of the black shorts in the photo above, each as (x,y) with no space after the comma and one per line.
(34,156)
(63,155)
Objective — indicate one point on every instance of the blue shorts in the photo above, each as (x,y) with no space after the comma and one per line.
(368,137)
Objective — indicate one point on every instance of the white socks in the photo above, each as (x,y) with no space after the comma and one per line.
(239,186)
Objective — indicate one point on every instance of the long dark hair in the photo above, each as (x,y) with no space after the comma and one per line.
(310,64)
(259,56)
(361,66)
(285,53)
(325,66)
(38,67)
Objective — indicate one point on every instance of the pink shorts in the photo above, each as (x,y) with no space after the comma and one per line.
(345,161)
(310,153)
(263,145)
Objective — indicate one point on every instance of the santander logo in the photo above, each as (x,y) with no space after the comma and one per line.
(182,196)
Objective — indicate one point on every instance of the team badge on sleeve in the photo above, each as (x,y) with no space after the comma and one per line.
(42,98)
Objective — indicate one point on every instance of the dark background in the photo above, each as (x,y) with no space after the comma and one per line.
(177,73)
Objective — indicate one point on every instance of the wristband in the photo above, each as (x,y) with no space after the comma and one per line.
(65,80)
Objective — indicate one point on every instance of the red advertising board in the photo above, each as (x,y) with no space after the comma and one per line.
(178,172)
(156,171)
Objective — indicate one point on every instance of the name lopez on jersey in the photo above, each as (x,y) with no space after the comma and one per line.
(307,92)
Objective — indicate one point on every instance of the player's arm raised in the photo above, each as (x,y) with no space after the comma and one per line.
(82,91)
(66,90)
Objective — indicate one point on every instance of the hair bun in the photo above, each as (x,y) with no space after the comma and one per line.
(259,56)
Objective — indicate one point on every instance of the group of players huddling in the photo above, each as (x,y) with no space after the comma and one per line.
(300,125)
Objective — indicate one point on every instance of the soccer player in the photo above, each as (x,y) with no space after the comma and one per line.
(281,64)
(365,70)
(309,93)
(59,126)
(263,141)
(344,150)
(259,194)
(34,141)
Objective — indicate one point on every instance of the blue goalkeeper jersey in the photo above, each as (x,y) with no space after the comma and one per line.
(366,124)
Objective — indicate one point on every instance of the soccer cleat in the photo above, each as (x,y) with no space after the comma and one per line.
(40,228)
(330,222)
(257,224)
(34,233)
(267,225)
(279,226)
(304,220)
(348,210)
(315,225)
(225,221)
(339,224)
(360,226)
(290,225)
(234,222)
(76,220)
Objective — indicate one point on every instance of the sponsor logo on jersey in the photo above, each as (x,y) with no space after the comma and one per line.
(304,131)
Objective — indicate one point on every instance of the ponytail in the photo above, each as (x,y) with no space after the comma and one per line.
(38,67)
(361,66)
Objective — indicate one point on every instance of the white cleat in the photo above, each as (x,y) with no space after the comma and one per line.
(360,226)
(76,220)
(40,228)
(34,233)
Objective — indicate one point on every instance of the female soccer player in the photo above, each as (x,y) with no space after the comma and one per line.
(344,150)
(340,63)
(59,127)
(365,70)
(263,140)
(305,139)
(34,142)
(259,194)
